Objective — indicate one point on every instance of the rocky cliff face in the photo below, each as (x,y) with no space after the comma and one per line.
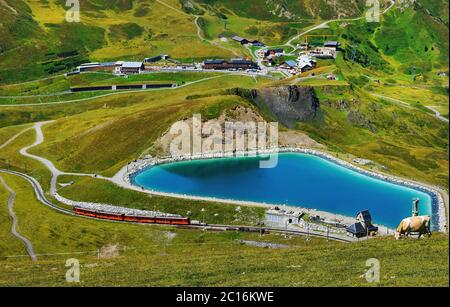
(288,104)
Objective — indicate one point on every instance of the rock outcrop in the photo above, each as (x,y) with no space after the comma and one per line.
(288,104)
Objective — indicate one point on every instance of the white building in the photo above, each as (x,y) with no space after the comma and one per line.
(128,68)
(281,217)
(306,63)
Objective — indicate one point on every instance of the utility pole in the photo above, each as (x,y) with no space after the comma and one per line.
(203,216)
(285,229)
(260,228)
(307,237)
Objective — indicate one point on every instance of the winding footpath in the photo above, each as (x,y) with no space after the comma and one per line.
(47,163)
(199,29)
(15,222)
(14,137)
(437,114)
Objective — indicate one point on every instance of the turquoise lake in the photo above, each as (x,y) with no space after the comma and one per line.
(298,180)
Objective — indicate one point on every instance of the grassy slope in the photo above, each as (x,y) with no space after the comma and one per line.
(273,10)
(217,259)
(137,29)
(103,128)
(103,34)
(58,89)
(409,141)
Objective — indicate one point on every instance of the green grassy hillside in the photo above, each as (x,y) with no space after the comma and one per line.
(285,9)
(142,255)
(389,75)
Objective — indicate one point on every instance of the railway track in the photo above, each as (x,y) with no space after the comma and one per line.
(40,195)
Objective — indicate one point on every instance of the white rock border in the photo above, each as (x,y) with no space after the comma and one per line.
(138,166)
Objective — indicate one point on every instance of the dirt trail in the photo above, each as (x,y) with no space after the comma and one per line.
(15,222)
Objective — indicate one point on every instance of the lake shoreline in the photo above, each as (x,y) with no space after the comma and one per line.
(125,178)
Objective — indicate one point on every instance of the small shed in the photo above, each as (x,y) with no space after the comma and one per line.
(132,67)
(332,44)
(241,40)
(363,227)
(357,230)
(257,43)
(153,59)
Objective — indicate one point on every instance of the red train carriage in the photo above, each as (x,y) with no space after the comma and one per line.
(132,218)
(99,214)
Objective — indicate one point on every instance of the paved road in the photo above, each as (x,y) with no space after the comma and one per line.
(12,214)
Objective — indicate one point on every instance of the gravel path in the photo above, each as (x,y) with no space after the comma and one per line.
(14,232)
(13,138)
(48,164)
(438,114)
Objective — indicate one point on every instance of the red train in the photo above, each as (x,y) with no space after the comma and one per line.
(132,218)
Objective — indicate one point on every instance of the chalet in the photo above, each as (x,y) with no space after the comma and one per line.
(323,53)
(274,51)
(332,45)
(215,64)
(129,68)
(303,46)
(241,40)
(221,64)
(240,63)
(281,217)
(306,63)
(363,227)
(357,230)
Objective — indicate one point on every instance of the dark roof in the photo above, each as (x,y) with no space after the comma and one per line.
(277,50)
(332,43)
(366,215)
(154,59)
(356,228)
(240,61)
(218,61)
(239,39)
